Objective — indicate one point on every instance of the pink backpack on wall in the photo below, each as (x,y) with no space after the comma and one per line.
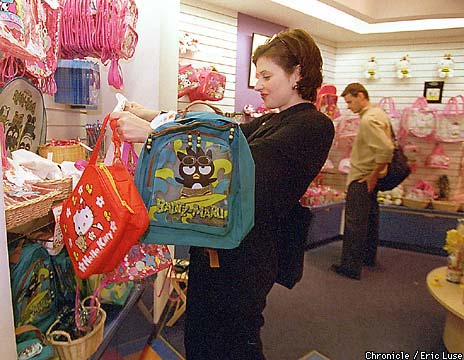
(187,80)
(326,101)
(211,85)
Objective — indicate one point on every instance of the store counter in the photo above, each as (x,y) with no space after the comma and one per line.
(451,297)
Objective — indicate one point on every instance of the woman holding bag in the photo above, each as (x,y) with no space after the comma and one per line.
(225,304)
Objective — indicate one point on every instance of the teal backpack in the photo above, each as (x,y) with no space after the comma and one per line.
(196,177)
(32,285)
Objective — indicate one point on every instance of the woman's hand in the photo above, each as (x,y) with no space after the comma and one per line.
(141,111)
(130,127)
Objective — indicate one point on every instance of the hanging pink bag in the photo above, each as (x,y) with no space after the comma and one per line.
(450,121)
(103,29)
(19,22)
(212,86)
(418,120)
(42,71)
(326,101)
(187,80)
(388,105)
(346,130)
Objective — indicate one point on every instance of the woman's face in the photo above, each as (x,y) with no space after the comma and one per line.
(275,85)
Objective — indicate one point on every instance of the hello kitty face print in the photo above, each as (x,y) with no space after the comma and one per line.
(93,225)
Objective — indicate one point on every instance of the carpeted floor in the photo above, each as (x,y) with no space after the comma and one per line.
(389,310)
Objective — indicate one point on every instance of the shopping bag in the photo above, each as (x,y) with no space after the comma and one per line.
(398,169)
(104,215)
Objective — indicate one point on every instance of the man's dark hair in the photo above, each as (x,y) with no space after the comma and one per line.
(354,89)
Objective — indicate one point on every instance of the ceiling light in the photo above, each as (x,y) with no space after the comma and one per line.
(339,18)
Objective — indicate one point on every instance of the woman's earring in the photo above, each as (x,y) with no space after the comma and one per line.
(294,87)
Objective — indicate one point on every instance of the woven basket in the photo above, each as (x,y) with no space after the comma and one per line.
(63,152)
(82,348)
(25,211)
(417,204)
(64,186)
(450,206)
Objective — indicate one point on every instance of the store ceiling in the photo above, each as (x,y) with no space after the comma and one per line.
(372,12)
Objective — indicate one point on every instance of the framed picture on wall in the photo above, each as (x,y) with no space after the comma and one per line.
(256,40)
(433,91)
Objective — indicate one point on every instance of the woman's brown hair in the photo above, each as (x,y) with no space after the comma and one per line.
(291,48)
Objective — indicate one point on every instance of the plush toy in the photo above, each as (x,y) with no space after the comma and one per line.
(403,70)
(187,43)
(371,69)
(445,66)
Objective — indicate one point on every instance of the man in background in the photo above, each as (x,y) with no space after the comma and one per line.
(371,153)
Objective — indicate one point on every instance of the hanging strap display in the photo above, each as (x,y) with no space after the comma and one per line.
(103,29)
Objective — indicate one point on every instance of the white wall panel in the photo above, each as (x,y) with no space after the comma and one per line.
(216,31)
(350,61)
(349,67)
(328,52)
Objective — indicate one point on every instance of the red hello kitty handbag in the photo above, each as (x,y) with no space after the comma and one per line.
(104,215)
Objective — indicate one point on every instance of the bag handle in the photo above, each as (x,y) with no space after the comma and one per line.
(26,328)
(420,103)
(115,138)
(460,99)
(451,107)
(201,102)
(387,103)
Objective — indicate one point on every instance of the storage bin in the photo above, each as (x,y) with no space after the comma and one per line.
(325,223)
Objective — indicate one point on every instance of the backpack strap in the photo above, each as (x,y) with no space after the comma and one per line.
(213,257)
(25,328)
(201,102)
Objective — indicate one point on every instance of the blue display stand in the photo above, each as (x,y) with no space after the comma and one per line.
(325,223)
(416,229)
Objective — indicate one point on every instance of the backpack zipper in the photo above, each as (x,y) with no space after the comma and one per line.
(113,185)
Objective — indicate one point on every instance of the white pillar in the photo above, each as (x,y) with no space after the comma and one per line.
(7,339)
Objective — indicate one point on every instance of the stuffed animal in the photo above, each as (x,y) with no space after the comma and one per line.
(187,43)
(403,70)
(445,66)
(371,69)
